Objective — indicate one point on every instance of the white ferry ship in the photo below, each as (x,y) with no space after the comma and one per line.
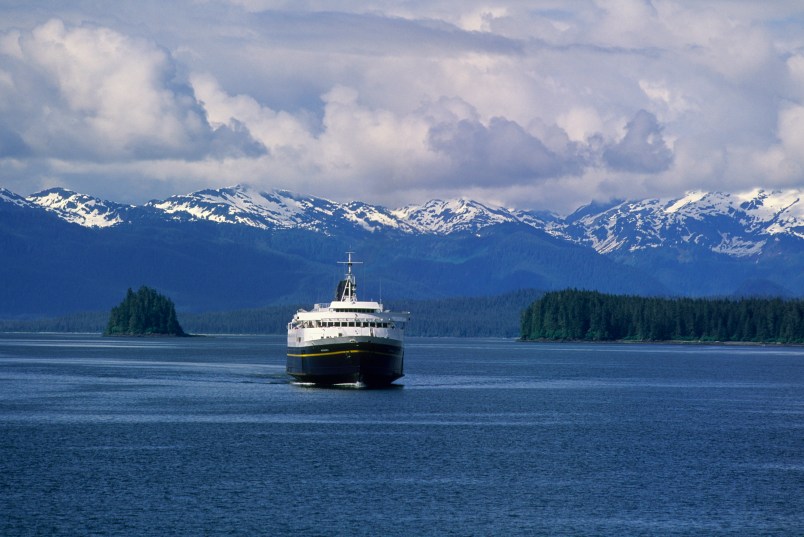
(347,341)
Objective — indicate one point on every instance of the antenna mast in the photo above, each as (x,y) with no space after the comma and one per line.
(350,286)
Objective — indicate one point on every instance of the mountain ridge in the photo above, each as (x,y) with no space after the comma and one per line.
(241,247)
(738,225)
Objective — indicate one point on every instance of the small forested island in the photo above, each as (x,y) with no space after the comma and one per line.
(573,315)
(144,313)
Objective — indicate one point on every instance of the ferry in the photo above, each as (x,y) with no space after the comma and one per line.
(347,341)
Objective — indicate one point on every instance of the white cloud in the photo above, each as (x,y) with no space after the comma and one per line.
(580,123)
(482,19)
(91,93)
(104,95)
(791,129)
(539,104)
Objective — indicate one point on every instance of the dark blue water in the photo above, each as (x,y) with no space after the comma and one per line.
(206,436)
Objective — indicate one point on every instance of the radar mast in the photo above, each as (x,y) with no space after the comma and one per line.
(347,289)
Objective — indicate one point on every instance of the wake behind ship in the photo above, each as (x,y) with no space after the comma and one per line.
(347,341)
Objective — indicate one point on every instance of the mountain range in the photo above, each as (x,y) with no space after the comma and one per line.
(241,247)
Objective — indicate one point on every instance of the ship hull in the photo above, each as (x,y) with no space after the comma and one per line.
(367,360)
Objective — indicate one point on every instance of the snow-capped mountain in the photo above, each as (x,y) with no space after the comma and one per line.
(276,209)
(737,225)
(64,251)
(281,209)
(81,209)
(445,217)
(6,196)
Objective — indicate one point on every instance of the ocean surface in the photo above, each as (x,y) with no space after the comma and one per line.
(207,436)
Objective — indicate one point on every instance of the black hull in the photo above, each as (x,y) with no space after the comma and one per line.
(366,361)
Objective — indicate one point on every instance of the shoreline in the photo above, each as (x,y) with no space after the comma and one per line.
(667,342)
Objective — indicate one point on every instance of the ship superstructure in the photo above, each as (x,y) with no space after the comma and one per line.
(347,341)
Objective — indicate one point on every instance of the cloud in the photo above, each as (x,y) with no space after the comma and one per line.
(500,153)
(642,149)
(374,34)
(543,104)
(91,93)
(12,144)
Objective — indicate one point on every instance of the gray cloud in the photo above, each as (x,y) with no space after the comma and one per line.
(500,153)
(376,35)
(642,150)
(11,144)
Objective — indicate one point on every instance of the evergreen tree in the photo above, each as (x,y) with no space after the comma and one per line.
(145,312)
(593,316)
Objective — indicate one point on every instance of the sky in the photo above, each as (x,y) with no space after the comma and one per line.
(541,104)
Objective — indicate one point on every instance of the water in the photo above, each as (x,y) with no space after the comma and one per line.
(207,436)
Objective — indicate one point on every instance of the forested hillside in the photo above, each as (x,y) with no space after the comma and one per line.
(593,316)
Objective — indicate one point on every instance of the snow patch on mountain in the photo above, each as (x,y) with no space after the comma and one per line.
(79,208)
(374,219)
(228,205)
(780,212)
(7,196)
(690,198)
(737,247)
(445,217)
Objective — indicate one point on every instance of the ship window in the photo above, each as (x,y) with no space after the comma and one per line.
(352,323)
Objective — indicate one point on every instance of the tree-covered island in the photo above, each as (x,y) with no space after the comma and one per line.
(593,316)
(144,313)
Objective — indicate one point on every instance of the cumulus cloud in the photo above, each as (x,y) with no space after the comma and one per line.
(642,149)
(498,154)
(91,93)
(545,104)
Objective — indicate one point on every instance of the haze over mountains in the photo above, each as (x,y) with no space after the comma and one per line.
(241,247)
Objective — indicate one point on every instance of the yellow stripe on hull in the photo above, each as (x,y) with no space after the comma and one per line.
(334,353)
